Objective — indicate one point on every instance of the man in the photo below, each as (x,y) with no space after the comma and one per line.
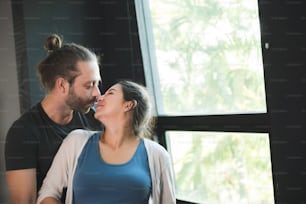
(70,74)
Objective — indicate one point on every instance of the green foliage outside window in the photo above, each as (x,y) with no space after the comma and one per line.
(208,55)
(220,168)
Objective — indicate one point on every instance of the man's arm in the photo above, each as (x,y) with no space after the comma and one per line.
(22,186)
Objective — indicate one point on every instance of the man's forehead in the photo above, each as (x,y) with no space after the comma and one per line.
(89,70)
(85,65)
(85,79)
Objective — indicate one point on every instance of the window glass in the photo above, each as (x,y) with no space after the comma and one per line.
(205,56)
(219,167)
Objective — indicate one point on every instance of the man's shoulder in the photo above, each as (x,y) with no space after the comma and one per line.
(27,123)
(28,118)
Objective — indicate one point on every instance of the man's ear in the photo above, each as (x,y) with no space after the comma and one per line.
(62,85)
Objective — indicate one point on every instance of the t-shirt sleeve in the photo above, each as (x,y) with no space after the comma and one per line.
(20,147)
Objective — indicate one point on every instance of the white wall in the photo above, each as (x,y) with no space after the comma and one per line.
(9,99)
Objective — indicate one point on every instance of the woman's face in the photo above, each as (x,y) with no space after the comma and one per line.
(111,103)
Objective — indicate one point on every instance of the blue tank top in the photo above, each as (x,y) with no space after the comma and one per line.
(98,182)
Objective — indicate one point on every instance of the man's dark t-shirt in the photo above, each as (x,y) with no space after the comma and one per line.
(33,139)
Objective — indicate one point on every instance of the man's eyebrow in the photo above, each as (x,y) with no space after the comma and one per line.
(94,82)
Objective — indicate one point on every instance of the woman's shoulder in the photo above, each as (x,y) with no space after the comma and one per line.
(154,147)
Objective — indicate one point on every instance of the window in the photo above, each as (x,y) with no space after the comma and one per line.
(204,54)
(203,58)
(219,167)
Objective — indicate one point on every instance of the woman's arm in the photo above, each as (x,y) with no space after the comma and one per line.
(163,190)
(57,178)
(167,182)
(61,171)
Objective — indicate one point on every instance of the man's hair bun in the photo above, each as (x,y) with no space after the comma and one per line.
(53,42)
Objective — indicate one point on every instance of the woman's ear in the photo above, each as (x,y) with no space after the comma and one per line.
(130,105)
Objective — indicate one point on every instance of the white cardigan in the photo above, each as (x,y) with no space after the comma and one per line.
(61,172)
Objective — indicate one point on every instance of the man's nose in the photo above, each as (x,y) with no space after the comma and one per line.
(96,91)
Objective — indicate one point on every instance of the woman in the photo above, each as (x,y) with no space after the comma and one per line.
(118,165)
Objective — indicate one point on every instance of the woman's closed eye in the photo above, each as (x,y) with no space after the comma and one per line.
(109,92)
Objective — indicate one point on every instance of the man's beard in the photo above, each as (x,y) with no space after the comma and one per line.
(79,104)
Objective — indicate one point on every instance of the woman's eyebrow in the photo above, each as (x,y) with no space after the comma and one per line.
(111,89)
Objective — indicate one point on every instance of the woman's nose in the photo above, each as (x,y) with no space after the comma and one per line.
(100,98)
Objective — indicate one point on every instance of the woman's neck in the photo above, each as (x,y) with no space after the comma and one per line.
(118,137)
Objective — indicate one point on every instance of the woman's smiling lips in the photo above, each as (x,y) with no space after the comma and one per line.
(99,104)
